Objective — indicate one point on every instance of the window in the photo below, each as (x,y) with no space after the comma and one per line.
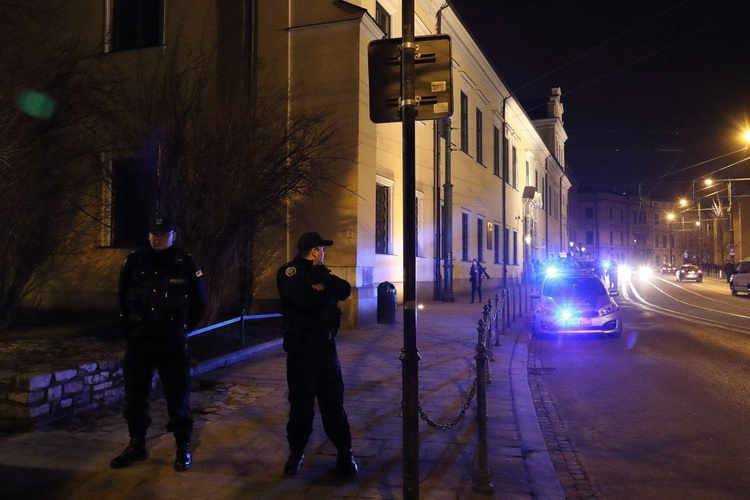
(464,123)
(589,237)
(496,233)
(383,195)
(480,144)
(480,239)
(496,151)
(130,204)
(589,213)
(418,204)
(136,24)
(506,244)
(383,20)
(465,237)
(514,171)
(515,247)
(528,173)
(505,160)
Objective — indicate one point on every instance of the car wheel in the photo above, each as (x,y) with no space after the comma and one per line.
(700,281)
(734,292)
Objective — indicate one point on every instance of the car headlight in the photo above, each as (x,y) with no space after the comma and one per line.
(546,311)
(608,310)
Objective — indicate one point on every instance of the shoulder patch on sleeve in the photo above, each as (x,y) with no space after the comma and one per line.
(290,271)
(199,273)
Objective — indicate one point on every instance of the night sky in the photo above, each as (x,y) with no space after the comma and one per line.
(650,87)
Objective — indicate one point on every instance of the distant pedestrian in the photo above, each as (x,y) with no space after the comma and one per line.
(309,302)
(475,277)
(728,270)
(162,295)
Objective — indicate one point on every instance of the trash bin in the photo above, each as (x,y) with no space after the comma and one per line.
(386,303)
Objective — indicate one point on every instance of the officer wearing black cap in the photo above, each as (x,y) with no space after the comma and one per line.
(309,302)
(162,295)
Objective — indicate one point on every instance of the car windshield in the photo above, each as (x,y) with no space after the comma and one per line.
(574,287)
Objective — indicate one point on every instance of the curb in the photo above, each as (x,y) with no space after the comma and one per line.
(543,480)
(233,357)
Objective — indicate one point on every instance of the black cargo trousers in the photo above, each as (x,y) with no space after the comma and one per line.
(162,349)
(315,374)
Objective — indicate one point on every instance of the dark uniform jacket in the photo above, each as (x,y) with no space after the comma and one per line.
(311,317)
(161,290)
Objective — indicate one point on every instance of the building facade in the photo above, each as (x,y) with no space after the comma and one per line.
(492,173)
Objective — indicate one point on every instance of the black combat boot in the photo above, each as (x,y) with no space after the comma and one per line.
(294,463)
(345,464)
(184,459)
(136,450)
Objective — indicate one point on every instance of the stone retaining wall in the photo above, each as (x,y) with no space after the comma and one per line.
(30,398)
(45,381)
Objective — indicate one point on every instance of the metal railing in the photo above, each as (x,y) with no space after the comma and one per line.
(239,319)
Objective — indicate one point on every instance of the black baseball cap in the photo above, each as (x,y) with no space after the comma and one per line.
(312,240)
(161,225)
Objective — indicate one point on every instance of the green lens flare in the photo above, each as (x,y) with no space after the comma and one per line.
(36,104)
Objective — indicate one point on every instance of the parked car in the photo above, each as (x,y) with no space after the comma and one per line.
(689,272)
(576,303)
(668,269)
(738,281)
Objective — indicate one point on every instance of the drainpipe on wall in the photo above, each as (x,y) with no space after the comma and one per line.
(437,290)
(448,217)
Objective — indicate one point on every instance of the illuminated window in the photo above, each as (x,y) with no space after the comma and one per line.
(136,24)
(130,203)
(383,218)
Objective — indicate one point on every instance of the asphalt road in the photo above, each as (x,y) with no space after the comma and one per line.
(661,412)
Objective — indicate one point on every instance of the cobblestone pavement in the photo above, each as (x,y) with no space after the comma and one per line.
(241,410)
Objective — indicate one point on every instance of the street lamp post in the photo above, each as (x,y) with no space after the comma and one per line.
(731,223)
(670,218)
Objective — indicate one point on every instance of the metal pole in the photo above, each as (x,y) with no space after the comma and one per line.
(731,224)
(483,471)
(409,354)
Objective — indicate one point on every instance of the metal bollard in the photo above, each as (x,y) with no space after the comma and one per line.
(497,319)
(483,471)
(506,307)
(487,317)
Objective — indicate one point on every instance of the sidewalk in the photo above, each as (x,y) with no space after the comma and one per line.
(239,443)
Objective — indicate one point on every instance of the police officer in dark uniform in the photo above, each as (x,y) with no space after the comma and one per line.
(309,296)
(162,295)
